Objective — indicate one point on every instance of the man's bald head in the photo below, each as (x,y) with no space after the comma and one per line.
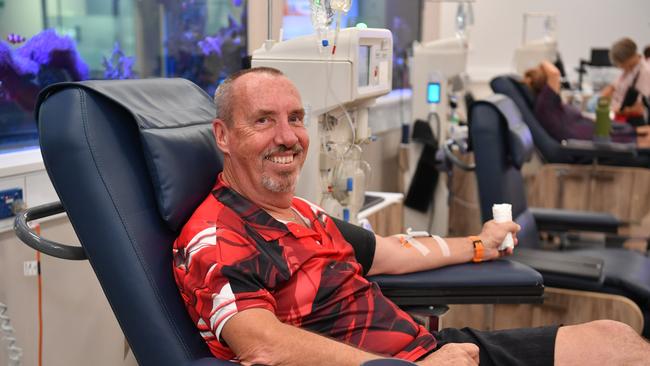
(224,97)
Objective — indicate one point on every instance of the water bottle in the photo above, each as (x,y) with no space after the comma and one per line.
(603,122)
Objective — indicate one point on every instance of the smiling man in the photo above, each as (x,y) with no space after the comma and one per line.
(270,279)
(266,149)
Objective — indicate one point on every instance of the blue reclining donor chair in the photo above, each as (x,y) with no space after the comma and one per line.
(551,150)
(130,160)
(502,144)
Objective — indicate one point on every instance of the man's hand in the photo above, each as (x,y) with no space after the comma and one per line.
(453,354)
(492,236)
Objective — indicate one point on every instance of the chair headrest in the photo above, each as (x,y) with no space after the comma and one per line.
(520,140)
(174,117)
(514,83)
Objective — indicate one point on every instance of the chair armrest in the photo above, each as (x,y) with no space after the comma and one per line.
(379,362)
(499,281)
(388,362)
(210,361)
(27,236)
(564,263)
(563,220)
(592,149)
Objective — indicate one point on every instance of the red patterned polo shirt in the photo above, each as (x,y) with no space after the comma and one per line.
(232,256)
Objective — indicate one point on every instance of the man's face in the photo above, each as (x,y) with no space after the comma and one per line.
(267,138)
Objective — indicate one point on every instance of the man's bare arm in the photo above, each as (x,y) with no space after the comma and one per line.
(257,337)
(393,257)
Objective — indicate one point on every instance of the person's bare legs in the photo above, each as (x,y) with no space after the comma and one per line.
(601,342)
(643,137)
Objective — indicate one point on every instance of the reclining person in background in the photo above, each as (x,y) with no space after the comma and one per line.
(269,279)
(630,92)
(563,121)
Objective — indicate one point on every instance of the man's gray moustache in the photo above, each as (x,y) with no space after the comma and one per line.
(295,149)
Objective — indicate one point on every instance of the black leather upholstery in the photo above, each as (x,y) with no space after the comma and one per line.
(500,281)
(524,91)
(548,147)
(92,151)
(502,179)
(625,272)
(520,142)
(552,219)
(175,133)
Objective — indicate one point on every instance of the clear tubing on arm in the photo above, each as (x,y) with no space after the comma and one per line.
(503,213)
(409,241)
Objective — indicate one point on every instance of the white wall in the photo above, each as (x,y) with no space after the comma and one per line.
(79,327)
(581,25)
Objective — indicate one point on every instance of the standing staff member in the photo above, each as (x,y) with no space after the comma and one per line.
(630,92)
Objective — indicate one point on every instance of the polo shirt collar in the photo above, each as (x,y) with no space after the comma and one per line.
(265,224)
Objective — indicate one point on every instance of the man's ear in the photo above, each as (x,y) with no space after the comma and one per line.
(221,135)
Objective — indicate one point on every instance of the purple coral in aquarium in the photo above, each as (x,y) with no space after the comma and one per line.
(17,64)
(118,65)
(186,4)
(54,51)
(211,45)
(44,59)
(14,38)
(230,34)
(197,52)
(233,26)
(16,74)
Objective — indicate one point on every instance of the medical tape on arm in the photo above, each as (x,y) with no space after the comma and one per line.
(444,248)
(408,241)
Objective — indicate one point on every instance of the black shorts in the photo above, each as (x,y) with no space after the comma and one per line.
(521,347)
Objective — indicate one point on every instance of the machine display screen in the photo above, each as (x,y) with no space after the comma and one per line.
(363,67)
(433,93)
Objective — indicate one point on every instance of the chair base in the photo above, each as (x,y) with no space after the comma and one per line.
(560,306)
(428,317)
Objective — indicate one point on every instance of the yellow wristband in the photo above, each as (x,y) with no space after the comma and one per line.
(478,249)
